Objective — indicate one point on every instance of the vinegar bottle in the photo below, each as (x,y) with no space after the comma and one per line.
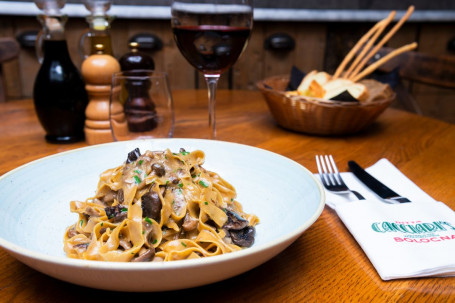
(59,94)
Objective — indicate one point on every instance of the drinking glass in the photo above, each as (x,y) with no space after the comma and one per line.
(141,105)
(211,35)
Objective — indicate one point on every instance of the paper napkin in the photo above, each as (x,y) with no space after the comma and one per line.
(405,240)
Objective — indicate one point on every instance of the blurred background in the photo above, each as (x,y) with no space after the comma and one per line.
(312,34)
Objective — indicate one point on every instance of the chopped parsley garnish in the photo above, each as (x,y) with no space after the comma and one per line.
(148,220)
(140,162)
(124,209)
(137,179)
(180,185)
(193,176)
(185,153)
(206,203)
(137,171)
(143,232)
(183,243)
(203,183)
(82,221)
(102,223)
(155,241)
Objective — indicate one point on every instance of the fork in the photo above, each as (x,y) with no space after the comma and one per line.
(331,178)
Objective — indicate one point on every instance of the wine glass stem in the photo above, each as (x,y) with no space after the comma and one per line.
(212,82)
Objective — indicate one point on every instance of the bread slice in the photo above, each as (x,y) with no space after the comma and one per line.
(336,87)
(315,90)
(320,77)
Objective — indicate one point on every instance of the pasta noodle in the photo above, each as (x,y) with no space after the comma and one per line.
(159,206)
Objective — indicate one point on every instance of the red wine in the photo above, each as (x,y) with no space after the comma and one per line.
(59,95)
(212,49)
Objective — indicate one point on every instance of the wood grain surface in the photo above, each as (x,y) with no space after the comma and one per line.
(325,264)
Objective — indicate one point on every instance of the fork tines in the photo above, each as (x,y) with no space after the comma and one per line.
(328,170)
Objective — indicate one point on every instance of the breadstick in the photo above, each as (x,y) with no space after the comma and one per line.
(383,60)
(382,42)
(370,43)
(356,47)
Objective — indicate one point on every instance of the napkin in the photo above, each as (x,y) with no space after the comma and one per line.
(415,239)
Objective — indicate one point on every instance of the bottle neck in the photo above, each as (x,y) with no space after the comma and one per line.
(53,26)
(99,23)
(56,49)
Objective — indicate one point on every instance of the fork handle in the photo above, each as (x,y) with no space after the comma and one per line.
(359,196)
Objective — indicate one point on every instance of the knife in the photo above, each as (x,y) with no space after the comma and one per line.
(380,189)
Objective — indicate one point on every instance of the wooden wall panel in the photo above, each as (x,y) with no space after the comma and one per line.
(436,102)
(28,62)
(309,48)
(11,85)
(319,46)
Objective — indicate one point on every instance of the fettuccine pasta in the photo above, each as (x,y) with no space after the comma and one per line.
(159,206)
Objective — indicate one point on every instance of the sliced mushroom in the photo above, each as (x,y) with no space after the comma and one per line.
(81,247)
(174,179)
(243,237)
(133,155)
(109,197)
(151,205)
(189,223)
(120,196)
(234,221)
(72,232)
(147,256)
(158,169)
(118,212)
(126,244)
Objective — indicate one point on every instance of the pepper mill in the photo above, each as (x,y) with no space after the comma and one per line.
(97,71)
(136,59)
(139,105)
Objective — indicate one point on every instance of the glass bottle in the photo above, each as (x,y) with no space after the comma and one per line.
(59,92)
(99,26)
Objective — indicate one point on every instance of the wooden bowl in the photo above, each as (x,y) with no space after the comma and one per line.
(318,116)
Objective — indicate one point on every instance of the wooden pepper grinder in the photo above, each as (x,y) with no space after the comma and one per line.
(97,71)
(139,108)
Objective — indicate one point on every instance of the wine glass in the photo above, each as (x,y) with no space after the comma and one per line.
(141,105)
(211,35)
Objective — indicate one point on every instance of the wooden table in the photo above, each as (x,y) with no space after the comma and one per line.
(324,264)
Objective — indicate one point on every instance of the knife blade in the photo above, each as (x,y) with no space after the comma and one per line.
(376,186)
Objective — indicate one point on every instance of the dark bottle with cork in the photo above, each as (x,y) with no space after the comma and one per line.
(59,95)
(139,104)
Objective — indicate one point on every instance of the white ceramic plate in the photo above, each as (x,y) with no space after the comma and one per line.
(34,200)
